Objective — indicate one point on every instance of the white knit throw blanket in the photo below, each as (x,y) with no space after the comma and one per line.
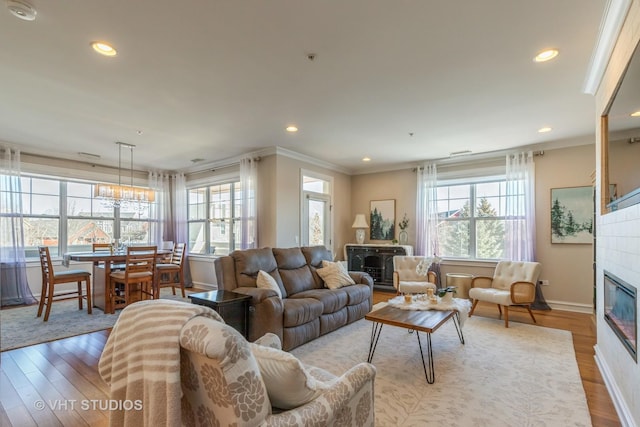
(141,362)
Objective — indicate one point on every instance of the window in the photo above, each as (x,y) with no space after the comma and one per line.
(214,218)
(472,219)
(65,216)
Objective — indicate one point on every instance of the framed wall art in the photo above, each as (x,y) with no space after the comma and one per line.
(572,215)
(382,219)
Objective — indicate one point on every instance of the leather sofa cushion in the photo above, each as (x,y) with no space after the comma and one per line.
(356,293)
(294,271)
(248,262)
(332,300)
(298,311)
(314,256)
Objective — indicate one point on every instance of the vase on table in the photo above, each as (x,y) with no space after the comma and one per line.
(403,237)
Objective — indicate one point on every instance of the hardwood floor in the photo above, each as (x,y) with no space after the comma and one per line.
(53,384)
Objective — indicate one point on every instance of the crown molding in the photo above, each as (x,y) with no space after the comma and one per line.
(311,160)
(614,15)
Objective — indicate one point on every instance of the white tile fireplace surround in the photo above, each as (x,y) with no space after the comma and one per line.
(618,253)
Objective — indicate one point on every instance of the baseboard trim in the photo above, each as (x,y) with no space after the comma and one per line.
(570,306)
(205,286)
(626,418)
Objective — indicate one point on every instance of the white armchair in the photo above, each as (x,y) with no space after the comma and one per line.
(513,284)
(405,278)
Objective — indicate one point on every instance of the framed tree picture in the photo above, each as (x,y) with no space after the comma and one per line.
(572,215)
(382,219)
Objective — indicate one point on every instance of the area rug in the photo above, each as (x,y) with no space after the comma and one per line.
(521,376)
(20,327)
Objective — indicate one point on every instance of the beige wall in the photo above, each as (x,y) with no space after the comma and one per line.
(567,267)
(398,185)
(280,204)
(618,246)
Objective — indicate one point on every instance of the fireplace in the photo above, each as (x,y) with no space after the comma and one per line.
(620,311)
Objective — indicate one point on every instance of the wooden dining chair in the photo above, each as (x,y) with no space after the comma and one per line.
(50,279)
(136,281)
(97,247)
(171,273)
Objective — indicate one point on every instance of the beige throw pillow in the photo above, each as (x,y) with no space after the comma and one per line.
(288,382)
(334,275)
(266,281)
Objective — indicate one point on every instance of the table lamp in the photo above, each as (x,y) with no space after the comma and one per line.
(360,224)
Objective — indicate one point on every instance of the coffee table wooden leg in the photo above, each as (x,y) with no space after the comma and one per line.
(429,372)
(456,321)
(376,328)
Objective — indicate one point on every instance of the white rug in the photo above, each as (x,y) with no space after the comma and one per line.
(521,376)
(20,327)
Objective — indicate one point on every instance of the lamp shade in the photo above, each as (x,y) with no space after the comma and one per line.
(360,222)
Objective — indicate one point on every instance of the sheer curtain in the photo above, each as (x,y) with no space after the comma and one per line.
(14,288)
(180,226)
(520,227)
(248,218)
(161,210)
(427,215)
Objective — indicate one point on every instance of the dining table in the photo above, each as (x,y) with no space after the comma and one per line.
(103,263)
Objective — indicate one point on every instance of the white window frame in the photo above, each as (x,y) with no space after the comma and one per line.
(305,197)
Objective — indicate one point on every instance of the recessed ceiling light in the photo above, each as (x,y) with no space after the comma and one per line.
(291,129)
(104,48)
(366,159)
(546,55)
(635,114)
(544,129)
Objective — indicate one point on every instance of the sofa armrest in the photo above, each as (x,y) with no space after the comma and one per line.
(361,278)
(257,294)
(352,392)
(266,312)
(481,282)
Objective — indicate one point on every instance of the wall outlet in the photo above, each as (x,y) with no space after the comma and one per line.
(543,282)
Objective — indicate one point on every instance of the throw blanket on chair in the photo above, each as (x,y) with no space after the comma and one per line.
(141,362)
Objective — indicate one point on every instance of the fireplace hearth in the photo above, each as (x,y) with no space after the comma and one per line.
(620,311)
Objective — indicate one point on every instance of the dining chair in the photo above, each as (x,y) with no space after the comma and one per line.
(98,247)
(136,278)
(50,279)
(171,273)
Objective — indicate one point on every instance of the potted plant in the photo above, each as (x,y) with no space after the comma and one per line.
(446,293)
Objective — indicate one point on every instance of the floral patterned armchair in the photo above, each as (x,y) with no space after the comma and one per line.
(222,384)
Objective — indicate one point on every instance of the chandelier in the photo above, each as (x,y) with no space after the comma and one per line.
(120,195)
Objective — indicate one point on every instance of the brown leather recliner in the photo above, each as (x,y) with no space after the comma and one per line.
(307,308)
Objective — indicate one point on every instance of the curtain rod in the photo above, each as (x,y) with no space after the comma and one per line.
(221,166)
(471,159)
(92,164)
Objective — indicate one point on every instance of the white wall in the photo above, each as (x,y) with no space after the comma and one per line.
(618,246)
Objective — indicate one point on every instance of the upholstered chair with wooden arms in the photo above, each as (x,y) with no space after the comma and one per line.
(513,284)
(50,279)
(406,280)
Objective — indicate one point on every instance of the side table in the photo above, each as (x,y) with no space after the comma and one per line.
(231,306)
(462,282)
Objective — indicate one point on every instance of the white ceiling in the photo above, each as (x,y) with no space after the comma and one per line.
(213,79)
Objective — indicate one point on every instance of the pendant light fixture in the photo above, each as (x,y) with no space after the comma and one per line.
(119,195)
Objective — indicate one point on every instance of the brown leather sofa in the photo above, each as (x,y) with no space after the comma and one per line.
(307,309)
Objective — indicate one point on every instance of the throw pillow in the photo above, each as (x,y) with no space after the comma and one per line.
(334,275)
(288,382)
(266,281)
